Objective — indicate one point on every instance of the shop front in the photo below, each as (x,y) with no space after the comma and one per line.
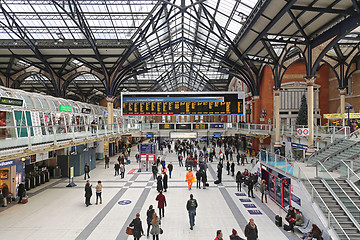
(279,186)
(11,174)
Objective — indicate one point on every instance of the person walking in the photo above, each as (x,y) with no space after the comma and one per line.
(239,180)
(155,230)
(122,170)
(5,193)
(165,181)
(137,225)
(198,179)
(204,179)
(161,203)
(238,158)
(98,192)
(149,216)
(21,191)
(263,191)
(232,168)
(189,178)
(86,171)
(191,206)
(154,170)
(180,159)
(219,172)
(159,185)
(219,235)
(250,184)
(107,161)
(251,231)
(117,168)
(88,193)
(170,168)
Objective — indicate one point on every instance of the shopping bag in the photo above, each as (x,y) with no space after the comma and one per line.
(129,231)
(193,178)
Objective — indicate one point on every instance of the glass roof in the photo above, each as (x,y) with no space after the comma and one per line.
(181,48)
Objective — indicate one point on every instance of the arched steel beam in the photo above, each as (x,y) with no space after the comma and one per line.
(21,33)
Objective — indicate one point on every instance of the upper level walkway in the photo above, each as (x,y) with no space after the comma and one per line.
(20,141)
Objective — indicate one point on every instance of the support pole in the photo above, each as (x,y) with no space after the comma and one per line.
(277,119)
(310,87)
(342,102)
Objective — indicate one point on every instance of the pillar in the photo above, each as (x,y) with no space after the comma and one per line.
(256,119)
(277,118)
(110,109)
(310,100)
(342,102)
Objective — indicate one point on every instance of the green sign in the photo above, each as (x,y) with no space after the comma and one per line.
(11,101)
(64,108)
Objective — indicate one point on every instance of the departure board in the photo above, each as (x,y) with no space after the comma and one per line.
(182,103)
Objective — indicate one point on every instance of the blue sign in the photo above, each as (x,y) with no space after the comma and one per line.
(217,134)
(6,163)
(149,134)
(296,199)
(245,200)
(240,194)
(255,212)
(348,107)
(247,205)
(299,146)
(217,125)
(149,148)
(124,202)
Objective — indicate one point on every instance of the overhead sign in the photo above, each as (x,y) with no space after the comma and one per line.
(86,110)
(303,131)
(149,148)
(166,126)
(299,146)
(183,134)
(200,126)
(65,108)
(183,126)
(6,163)
(217,125)
(184,103)
(149,134)
(341,116)
(11,101)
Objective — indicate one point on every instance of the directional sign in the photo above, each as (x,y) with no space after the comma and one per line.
(303,131)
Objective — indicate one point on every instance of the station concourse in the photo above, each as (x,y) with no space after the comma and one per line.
(86,84)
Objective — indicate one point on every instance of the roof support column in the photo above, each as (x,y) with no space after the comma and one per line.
(110,109)
(256,119)
(310,88)
(342,102)
(277,118)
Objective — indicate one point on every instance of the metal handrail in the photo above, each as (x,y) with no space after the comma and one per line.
(314,191)
(339,151)
(333,179)
(349,169)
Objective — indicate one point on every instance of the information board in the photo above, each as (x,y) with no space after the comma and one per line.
(183,135)
(166,126)
(149,148)
(176,103)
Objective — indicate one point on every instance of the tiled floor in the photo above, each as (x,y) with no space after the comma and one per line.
(57,212)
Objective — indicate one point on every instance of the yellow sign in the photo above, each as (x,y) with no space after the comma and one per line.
(71,172)
(341,116)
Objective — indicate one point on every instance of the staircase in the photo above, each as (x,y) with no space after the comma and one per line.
(328,151)
(345,222)
(349,153)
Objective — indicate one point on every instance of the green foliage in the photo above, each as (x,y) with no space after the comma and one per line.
(302,118)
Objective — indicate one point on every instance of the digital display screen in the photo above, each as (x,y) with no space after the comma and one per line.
(201,103)
(217,134)
(183,134)
(183,126)
(166,126)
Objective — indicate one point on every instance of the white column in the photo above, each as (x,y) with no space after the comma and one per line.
(310,87)
(110,109)
(277,117)
(342,102)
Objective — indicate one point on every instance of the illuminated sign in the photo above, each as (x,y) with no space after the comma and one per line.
(183,134)
(64,108)
(11,101)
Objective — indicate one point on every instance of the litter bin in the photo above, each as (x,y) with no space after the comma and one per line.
(57,172)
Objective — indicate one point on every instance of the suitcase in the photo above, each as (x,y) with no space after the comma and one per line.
(24,200)
(206,184)
(287,227)
(278,220)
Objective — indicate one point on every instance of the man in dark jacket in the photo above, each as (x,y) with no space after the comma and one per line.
(232,168)
(250,184)
(154,170)
(165,181)
(21,191)
(191,206)
(86,171)
(107,161)
(219,171)
(88,193)
(251,231)
(5,192)
(117,168)
(149,216)
(170,167)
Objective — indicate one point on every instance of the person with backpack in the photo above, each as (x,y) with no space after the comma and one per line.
(191,206)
